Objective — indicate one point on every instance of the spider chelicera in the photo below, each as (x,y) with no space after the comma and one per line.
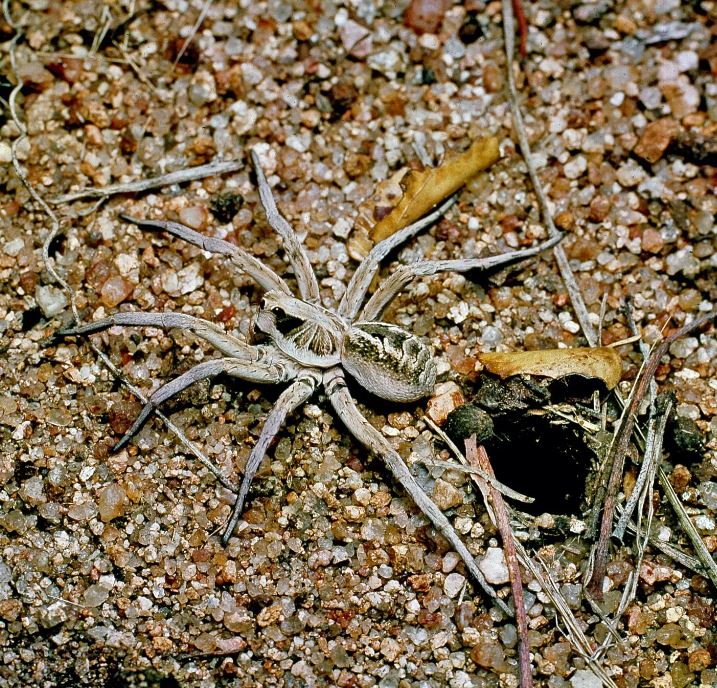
(310,346)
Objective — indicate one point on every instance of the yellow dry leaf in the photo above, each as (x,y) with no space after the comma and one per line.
(600,362)
(425,189)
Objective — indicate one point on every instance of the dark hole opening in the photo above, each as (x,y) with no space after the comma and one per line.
(543,459)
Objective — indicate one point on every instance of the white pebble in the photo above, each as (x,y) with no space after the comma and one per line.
(453,584)
(12,248)
(584,678)
(5,152)
(576,167)
(493,566)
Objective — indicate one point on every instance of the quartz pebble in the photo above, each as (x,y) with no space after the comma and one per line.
(115,290)
(453,584)
(51,300)
(446,496)
(584,678)
(655,139)
(111,502)
(493,566)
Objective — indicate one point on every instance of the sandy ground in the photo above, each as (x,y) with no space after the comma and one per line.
(111,568)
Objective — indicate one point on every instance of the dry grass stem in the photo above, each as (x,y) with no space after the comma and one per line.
(478,457)
(178,177)
(571,284)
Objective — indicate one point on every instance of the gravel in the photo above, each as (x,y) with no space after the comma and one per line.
(111,571)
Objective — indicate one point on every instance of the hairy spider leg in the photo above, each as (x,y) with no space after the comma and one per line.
(361,279)
(290,399)
(204,329)
(251,371)
(264,276)
(295,252)
(373,440)
(406,273)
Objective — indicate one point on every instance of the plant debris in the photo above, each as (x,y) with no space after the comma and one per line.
(422,190)
(600,362)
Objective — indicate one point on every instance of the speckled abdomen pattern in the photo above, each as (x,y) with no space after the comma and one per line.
(388,361)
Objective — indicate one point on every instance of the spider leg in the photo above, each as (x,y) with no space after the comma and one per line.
(251,371)
(265,277)
(405,274)
(372,439)
(208,331)
(289,400)
(361,280)
(295,252)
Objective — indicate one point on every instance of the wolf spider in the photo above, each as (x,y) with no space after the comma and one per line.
(310,346)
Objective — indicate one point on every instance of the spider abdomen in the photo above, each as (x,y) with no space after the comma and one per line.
(388,361)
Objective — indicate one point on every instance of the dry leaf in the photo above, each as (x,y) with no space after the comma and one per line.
(601,362)
(427,188)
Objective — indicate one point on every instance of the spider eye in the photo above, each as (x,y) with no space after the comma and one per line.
(277,311)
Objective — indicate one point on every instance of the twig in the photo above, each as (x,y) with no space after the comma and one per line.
(702,552)
(621,440)
(473,470)
(522,27)
(202,15)
(687,560)
(478,457)
(49,265)
(574,633)
(657,422)
(178,177)
(571,284)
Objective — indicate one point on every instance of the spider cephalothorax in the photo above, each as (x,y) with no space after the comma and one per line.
(311,346)
(384,358)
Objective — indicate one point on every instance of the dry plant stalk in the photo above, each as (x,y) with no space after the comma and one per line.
(427,188)
(601,362)
(478,457)
(619,447)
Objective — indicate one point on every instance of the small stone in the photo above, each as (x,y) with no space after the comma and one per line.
(269,616)
(453,584)
(446,400)
(425,16)
(446,496)
(630,174)
(356,39)
(655,139)
(390,649)
(494,567)
(194,216)
(652,240)
(683,261)
(576,167)
(82,512)
(115,290)
(591,12)
(95,595)
(10,610)
(584,678)
(625,25)
(12,248)
(699,660)
(5,152)
(489,655)
(342,228)
(652,572)
(51,300)
(51,512)
(53,615)
(31,491)
(111,502)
